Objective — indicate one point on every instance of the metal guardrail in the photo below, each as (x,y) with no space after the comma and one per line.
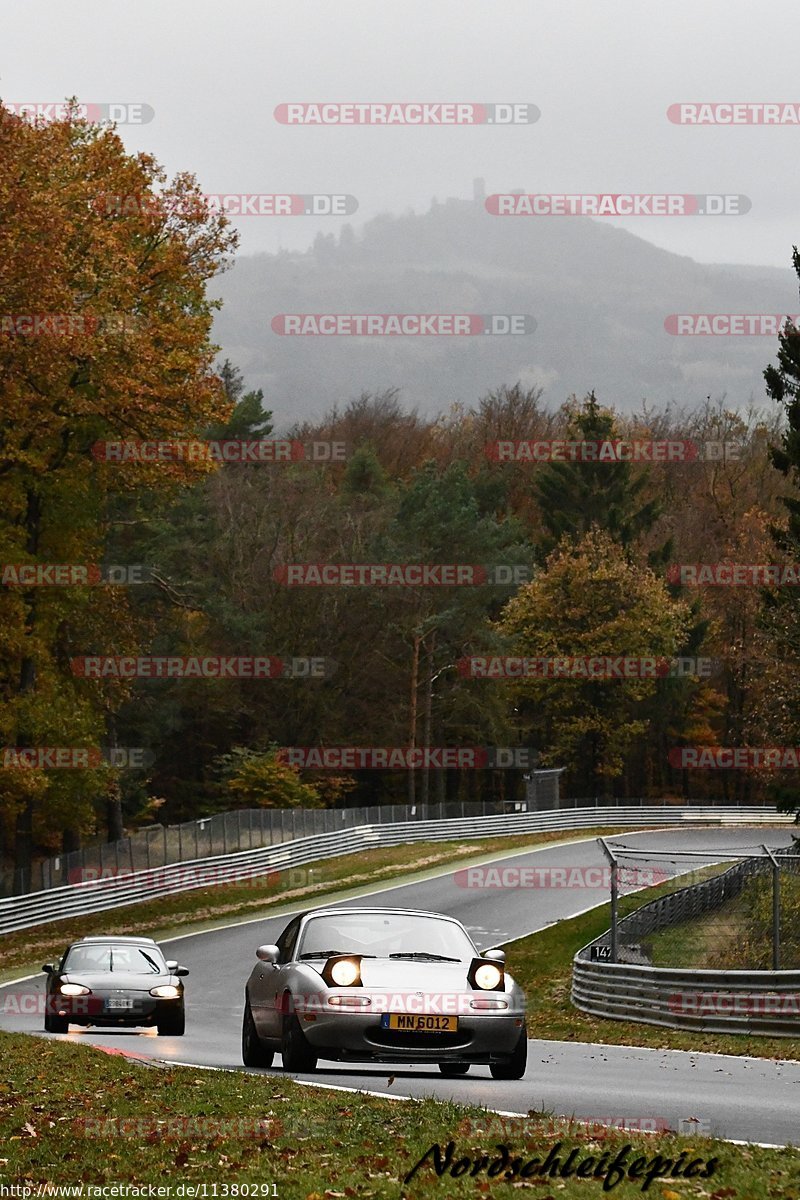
(248,829)
(754,1002)
(100,895)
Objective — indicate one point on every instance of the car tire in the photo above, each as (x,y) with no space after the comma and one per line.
(55,1024)
(172,1024)
(254,1052)
(513,1067)
(296,1053)
(454,1068)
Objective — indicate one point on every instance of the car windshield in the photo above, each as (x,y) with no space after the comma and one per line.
(112,956)
(385,935)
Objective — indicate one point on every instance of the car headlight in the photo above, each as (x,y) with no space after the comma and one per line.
(488,976)
(345,972)
(165,991)
(74,989)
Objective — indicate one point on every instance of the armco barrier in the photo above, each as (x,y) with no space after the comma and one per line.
(755,1002)
(99,895)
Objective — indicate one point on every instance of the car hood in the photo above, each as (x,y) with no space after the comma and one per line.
(116,981)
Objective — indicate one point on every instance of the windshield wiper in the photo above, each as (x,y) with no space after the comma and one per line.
(425,954)
(333,954)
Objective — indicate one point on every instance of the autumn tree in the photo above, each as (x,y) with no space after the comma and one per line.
(104,336)
(590,600)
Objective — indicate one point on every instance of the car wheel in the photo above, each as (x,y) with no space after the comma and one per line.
(453,1068)
(254,1052)
(513,1067)
(172,1024)
(296,1053)
(55,1024)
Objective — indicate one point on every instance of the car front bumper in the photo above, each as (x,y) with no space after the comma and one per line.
(105,1008)
(479,1038)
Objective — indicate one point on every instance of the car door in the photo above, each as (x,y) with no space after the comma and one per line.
(271,982)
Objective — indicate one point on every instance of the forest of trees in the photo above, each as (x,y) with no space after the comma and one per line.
(600,544)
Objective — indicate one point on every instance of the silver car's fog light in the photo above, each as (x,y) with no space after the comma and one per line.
(74,989)
(349,1001)
(483,1004)
(166,991)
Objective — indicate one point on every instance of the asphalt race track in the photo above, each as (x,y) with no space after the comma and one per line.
(746,1099)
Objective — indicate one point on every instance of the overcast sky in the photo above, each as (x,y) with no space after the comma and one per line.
(602,75)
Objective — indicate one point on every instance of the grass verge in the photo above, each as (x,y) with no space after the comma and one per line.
(261,896)
(70,1114)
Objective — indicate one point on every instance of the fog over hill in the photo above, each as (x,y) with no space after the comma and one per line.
(599,296)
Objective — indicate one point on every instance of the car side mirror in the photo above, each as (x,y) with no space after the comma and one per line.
(268,954)
(171,964)
(181,971)
(48,968)
(498,956)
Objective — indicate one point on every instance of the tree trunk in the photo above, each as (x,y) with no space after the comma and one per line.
(23,833)
(426,775)
(412,716)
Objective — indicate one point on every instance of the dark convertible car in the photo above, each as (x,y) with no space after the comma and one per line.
(114,981)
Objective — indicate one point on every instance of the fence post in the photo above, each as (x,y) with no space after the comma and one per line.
(614,899)
(776,909)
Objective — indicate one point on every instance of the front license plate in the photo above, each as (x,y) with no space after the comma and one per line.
(419,1023)
(119,1002)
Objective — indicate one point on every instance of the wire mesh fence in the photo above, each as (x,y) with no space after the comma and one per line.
(744,916)
(222,833)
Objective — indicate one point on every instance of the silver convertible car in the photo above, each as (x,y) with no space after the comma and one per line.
(382,985)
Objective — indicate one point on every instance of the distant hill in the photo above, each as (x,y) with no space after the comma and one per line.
(599,296)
